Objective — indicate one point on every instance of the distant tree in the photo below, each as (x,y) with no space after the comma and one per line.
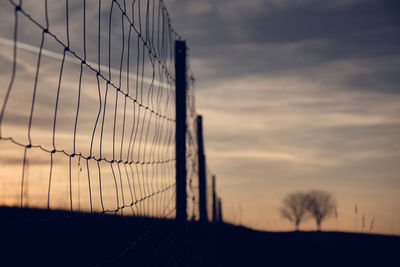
(320,205)
(294,208)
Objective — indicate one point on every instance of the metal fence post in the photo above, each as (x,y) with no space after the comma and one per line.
(202,172)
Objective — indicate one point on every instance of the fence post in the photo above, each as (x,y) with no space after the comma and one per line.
(219,210)
(214,199)
(180,133)
(180,149)
(202,171)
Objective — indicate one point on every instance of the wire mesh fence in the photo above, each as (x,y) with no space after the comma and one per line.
(87,119)
(192,155)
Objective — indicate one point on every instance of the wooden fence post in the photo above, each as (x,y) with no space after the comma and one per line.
(202,172)
(214,199)
(180,134)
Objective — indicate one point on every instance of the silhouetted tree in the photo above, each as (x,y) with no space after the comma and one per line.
(320,205)
(295,208)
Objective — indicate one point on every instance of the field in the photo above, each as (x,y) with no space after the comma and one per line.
(32,237)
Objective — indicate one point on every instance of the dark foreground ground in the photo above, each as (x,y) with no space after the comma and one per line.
(52,238)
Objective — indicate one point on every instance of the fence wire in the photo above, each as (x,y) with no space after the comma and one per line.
(192,163)
(87,113)
(87,117)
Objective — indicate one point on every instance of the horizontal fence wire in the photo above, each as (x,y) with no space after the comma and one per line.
(87,118)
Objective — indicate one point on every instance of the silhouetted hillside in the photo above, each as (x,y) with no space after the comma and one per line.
(54,238)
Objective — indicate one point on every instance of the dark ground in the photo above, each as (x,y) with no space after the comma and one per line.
(54,238)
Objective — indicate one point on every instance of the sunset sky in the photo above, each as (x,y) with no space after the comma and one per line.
(295,95)
(299,95)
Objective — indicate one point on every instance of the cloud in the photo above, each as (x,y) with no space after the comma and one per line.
(242,38)
(280,21)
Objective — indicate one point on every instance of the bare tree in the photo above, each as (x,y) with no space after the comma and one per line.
(295,208)
(320,205)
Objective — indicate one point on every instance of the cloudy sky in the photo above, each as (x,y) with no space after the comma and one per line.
(299,95)
(295,95)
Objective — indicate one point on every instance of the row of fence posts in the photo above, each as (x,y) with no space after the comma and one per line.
(181,126)
(216,201)
(181,172)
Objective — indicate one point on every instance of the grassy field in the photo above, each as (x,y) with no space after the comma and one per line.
(54,238)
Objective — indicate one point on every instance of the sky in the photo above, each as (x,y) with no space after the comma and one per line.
(296,95)
(299,95)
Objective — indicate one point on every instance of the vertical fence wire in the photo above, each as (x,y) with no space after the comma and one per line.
(94,115)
